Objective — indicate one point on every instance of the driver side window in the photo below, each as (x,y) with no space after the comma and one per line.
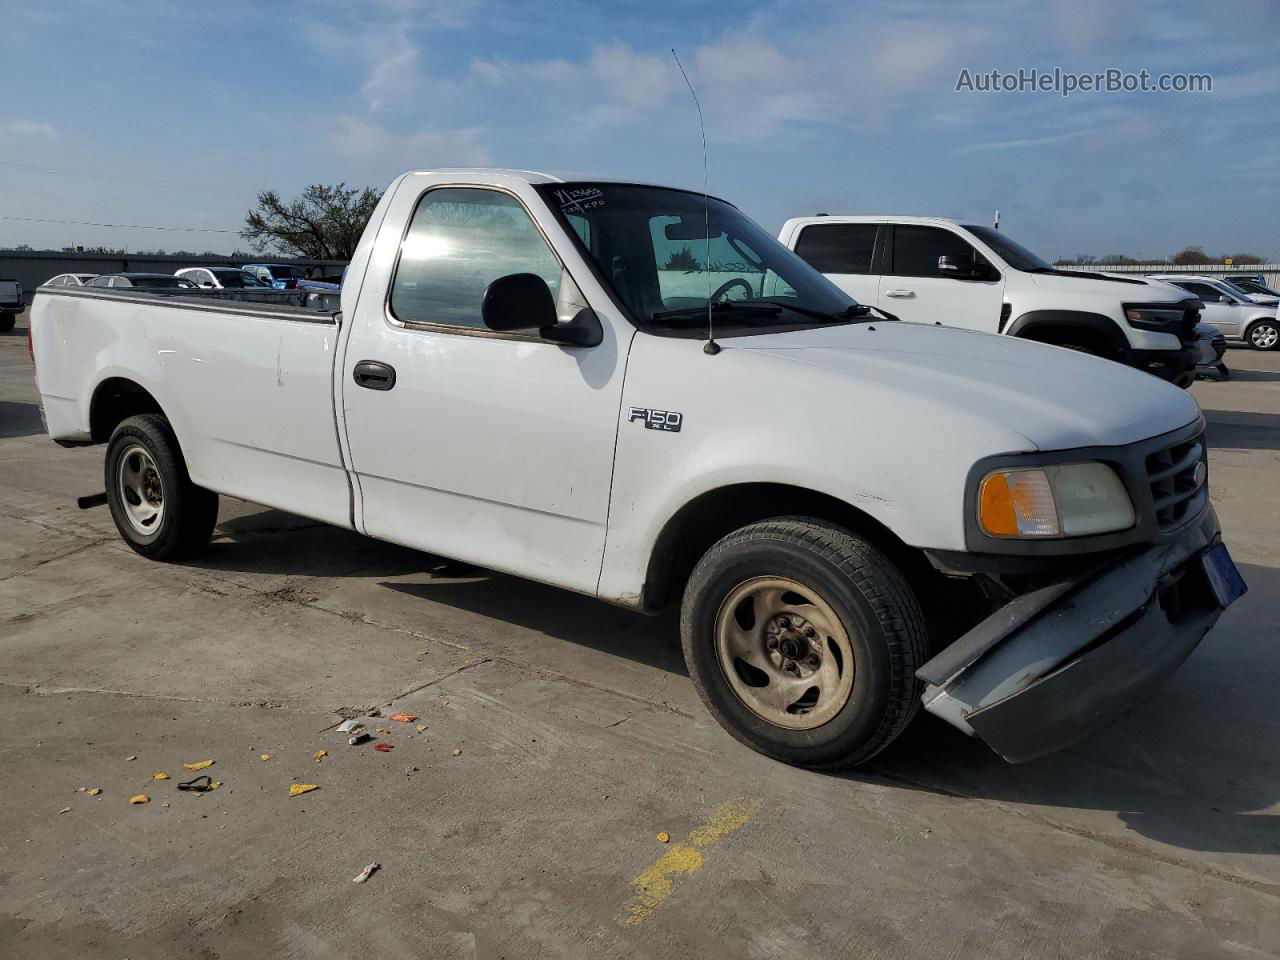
(916,250)
(460,240)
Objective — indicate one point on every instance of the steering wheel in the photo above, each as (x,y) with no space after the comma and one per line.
(729,285)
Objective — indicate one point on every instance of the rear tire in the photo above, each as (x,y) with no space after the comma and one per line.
(803,641)
(1263,335)
(159,512)
(7,321)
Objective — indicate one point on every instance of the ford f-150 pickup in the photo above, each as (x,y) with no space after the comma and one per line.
(857,515)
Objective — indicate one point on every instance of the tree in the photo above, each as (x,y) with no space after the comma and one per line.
(1189,255)
(323,223)
(1244,259)
(683,259)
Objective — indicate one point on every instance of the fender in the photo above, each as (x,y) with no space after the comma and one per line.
(1096,324)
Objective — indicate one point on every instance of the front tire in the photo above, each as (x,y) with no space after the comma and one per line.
(803,640)
(159,512)
(1263,335)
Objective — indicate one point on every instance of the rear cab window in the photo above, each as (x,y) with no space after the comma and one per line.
(838,247)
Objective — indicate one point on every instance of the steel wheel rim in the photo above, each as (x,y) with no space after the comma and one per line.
(140,489)
(1264,335)
(784,652)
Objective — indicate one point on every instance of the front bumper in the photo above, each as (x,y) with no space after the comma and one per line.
(1066,660)
(1176,366)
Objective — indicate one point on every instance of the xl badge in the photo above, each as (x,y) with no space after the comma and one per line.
(667,420)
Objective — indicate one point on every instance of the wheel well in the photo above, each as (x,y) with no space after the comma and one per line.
(707,518)
(114,400)
(1081,336)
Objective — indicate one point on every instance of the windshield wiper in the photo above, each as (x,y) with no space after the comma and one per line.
(857,311)
(738,307)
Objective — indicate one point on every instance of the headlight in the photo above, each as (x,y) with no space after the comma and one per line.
(1149,318)
(1063,500)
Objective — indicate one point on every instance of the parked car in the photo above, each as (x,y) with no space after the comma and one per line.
(11,304)
(220,278)
(1255,287)
(1212,346)
(825,492)
(69,280)
(934,270)
(282,276)
(117,281)
(1230,310)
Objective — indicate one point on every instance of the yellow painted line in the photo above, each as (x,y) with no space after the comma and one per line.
(654,885)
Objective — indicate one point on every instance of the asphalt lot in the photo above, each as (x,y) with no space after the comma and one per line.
(581,739)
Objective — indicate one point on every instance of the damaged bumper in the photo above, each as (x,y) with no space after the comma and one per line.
(1064,661)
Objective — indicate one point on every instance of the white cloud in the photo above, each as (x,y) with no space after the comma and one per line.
(383,152)
(31,128)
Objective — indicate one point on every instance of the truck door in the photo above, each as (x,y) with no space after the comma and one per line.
(492,448)
(913,288)
(844,252)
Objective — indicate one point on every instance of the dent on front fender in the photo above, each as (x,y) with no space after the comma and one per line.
(1064,661)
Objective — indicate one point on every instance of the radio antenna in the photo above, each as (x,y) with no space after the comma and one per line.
(711,347)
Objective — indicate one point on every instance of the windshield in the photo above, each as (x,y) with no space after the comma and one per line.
(1241,288)
(651,245)
(1014,254)
(285,273)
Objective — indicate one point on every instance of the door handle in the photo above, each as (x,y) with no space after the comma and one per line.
(374,375)
(901,294)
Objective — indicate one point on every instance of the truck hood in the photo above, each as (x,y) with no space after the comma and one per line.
(1056,398)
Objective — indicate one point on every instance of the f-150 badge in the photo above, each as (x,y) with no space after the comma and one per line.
(667,420)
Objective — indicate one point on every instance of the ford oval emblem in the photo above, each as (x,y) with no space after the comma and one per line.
(1198,475)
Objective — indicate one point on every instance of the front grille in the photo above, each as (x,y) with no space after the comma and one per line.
(1187,330)
(1179,476)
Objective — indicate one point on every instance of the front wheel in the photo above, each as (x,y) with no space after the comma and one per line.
(1263,335)
(157,509)
(803,640)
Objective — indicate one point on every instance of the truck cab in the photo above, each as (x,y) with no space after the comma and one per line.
(936,270)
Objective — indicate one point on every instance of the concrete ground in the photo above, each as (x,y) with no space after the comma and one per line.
(581,739)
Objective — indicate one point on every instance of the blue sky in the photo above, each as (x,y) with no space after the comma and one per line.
(170,114)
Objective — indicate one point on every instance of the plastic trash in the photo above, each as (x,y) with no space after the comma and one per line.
(140,798)
(94,791)
(360,738)
(199,765)
(422,728)
(664,837)
(264,757)
(319,755)
(366,873)
(159,775)
(383,747)
(349,726)
(403,717)
(298,789)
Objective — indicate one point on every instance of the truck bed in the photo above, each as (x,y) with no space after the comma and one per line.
(305,305)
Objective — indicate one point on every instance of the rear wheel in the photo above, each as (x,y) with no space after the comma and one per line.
(159,512)
(7,320)
(803,641)
(1263,335)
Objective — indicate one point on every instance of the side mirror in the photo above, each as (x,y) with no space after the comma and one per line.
(962,268)
(523,301)
(518,301)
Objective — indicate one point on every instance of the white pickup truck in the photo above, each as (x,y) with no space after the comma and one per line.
(857,515)
(935,270)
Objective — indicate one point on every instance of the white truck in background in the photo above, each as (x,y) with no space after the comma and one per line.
(935,270)
(856,515)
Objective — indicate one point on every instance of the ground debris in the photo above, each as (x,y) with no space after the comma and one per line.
(366,873)
(199,765)
(298,789)
(403,717)
(382,747)
(140,798)
(319,755)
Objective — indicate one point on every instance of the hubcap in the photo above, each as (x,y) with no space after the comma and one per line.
(141,490)
(784,652)
(1265,335)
